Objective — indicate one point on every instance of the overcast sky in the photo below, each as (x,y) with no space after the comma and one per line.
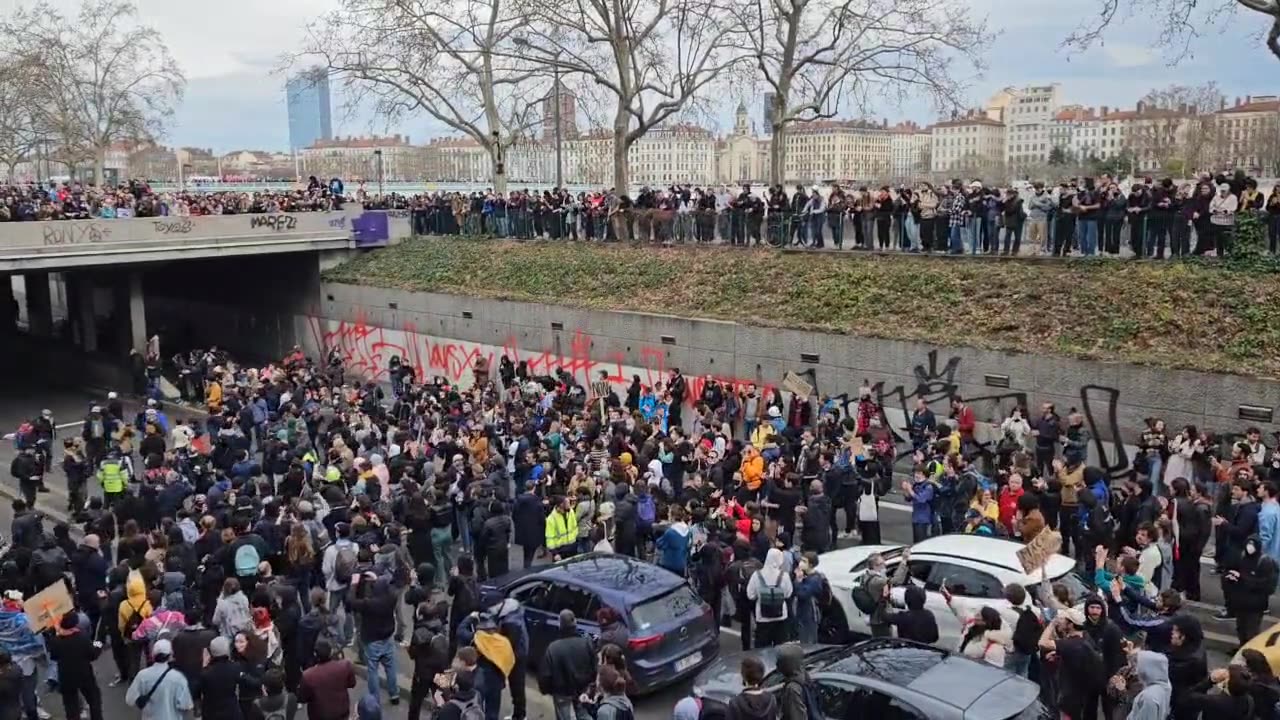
(230,50)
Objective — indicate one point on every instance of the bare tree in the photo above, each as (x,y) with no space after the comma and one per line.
(1179,23)
(105,78)
(452,60)
(19,136)
(819,57)
(1175,130)
(652,58)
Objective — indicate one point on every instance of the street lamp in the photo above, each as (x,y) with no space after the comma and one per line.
(377,155)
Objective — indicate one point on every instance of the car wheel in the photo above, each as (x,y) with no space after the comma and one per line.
(833,627)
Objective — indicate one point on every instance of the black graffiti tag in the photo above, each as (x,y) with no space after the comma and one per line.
(172,227)
(75,233)
(274,222)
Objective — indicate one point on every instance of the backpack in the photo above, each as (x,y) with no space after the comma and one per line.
(862,598)
(470,709)
(770,600)
(247,560)
(824,597)
(345,564)
(812,709)
(280,713)
(647,510)
(745,571)
(1026,633)
(133,623)
(21,438)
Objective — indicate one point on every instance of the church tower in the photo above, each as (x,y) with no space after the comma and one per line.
(742,126)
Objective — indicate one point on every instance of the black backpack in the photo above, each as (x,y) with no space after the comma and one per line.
(133,623)
(1026,634)
(862,597)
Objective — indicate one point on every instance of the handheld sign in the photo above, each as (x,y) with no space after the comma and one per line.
(45,607)
(1036,553)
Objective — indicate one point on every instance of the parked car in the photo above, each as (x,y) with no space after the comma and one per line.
(885,679)
(671,632)
(973,567)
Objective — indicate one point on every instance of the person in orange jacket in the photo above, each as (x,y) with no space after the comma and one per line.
(753,470)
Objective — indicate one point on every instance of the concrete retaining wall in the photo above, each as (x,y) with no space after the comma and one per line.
(445,334)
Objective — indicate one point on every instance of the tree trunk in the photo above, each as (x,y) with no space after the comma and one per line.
(621,174)
(778,155)
(99,166)
(499,178)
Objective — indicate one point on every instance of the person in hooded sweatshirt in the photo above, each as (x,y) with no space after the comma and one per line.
(1248,584)
(673,544)
(429,651)
(614,705)
(1155,699)
(754,702)
(770,589)
(1109,640)
(915,623)
(796,689)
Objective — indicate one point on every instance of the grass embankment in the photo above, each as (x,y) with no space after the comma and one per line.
(1184,315)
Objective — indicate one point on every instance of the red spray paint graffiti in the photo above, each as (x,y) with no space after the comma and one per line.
(367,351)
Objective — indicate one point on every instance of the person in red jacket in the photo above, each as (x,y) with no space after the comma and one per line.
(1009,502)
(963,415)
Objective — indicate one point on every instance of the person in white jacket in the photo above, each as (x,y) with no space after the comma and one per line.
(770,590)
(987,637)
(1222,219)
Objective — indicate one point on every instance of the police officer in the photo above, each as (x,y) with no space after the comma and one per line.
(113,474)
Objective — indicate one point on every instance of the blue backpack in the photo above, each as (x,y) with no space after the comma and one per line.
(647,511)
(246,560)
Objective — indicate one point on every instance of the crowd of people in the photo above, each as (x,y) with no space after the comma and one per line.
(1084,216)
(227,563)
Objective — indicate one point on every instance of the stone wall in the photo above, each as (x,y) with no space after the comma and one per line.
(444,335)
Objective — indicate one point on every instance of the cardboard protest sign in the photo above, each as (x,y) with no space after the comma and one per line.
(45,607)
(1036,553)
(793,383)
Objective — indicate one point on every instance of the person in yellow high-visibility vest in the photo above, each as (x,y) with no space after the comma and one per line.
(562,530)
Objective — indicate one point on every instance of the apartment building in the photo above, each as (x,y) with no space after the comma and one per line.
(973,143)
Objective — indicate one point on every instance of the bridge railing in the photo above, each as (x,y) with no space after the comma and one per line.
(54,236)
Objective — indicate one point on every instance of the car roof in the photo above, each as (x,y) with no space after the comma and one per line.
(620,577)
(996,552)
(927,672)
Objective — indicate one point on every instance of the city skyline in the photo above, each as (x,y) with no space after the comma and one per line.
(234,69)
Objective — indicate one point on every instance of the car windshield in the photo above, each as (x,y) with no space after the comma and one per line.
(894,664)
(664,608)
(888,555)
(1073,581)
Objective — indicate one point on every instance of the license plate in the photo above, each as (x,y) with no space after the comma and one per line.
(687,662)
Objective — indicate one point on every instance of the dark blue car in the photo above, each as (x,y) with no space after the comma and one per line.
(671,632)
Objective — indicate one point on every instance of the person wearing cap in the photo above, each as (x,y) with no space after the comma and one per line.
(1081,670)
(75,652)
(164,687)
(221,682)
(23,646)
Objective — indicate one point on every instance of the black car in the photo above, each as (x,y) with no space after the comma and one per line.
(671,632)
(886,679)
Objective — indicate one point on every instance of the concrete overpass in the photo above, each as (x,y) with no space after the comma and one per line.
(85,285)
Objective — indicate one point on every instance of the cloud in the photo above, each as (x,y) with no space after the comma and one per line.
(231,50)
(1126,55)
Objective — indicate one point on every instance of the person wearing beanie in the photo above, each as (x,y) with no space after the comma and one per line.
(75,652)
(161,689)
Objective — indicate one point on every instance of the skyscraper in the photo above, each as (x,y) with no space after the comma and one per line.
(307,97)
(766,114)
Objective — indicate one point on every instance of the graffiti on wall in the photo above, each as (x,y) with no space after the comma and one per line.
(367,350)
(936,383)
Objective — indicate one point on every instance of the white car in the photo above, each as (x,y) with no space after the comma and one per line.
(974,568)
